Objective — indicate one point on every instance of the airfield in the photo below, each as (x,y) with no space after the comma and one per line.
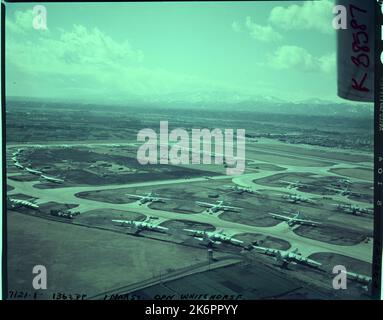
(90,184)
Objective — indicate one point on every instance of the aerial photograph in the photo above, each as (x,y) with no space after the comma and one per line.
(183,151)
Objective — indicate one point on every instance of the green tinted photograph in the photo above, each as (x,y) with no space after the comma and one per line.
(184,151)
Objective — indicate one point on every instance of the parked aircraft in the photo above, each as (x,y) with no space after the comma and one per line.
(215,237)
(295,219)
(219,206)
(148,198)
(284,257)
(139,226)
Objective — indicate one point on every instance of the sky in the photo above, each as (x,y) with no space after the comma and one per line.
(183,51)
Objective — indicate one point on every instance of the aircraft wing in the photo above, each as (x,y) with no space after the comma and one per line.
(208,240)
(159,199)
(134,196)
(313,262)
(194,231)
(303,221)
(161,228)
(279,216)
(265,250)
(205,204)
(298,184)
(236,241)
(122,221)
(230,208)
(310,262)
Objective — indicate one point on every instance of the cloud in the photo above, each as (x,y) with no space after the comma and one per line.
(328,62)
(236,26)
(79,51)
(21,22)
(88,64)
(262,33)
(84,61)
(293,57)
(257,31)
(311,15)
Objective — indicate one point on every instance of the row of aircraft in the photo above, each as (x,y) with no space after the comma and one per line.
(209,238)
(221,207)
(206,237)
(353,209)
(347,208)
(33,171)
(216,237)
(212,207)
(293,198)
(283,258)
(16,203)
(298,184)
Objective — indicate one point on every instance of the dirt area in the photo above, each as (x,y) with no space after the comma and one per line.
(331,234)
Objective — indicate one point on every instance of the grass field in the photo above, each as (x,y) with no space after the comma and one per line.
(83,260)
